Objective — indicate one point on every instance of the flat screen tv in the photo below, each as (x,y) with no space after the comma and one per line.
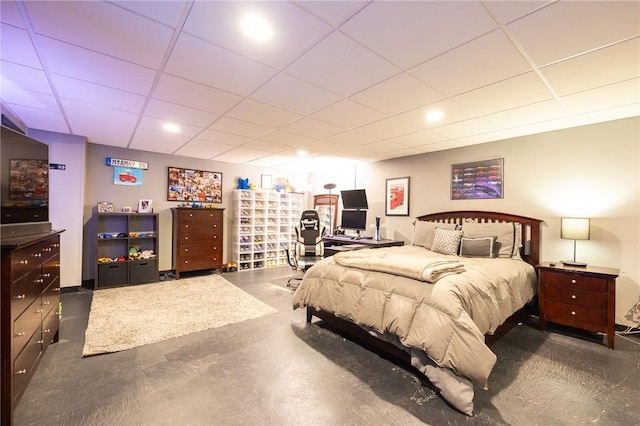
(354,199)
(354,219)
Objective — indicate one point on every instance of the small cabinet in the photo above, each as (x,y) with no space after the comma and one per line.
(197,239)
(126,249)
(327,207)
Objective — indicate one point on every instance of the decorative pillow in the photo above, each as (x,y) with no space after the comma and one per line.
(446,241)
(477,247)
(505,233)
(424,232)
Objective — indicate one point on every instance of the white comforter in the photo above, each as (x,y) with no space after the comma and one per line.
(446,319)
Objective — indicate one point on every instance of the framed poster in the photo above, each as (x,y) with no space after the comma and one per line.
(194,185)
(478,180)
(28,180)
(127,176)
(397,197)
(145,206)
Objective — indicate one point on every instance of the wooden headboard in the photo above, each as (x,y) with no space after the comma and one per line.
(530,250)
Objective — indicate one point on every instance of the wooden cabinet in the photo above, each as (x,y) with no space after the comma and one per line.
(327,207)
(117,233)
(197,239)
(581,297)
(30,300)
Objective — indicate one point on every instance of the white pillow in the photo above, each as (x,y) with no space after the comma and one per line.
(424,232)
(505,233)
(446,241)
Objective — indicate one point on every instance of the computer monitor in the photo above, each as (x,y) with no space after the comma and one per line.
(354,199)
(354,219)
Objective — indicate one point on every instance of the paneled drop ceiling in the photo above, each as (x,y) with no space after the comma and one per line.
(341,80)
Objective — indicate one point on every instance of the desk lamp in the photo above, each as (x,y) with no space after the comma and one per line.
(330,186)
(572,228)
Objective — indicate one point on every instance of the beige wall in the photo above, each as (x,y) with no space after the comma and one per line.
(590,171)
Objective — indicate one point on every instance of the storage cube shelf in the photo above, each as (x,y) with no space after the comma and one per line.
(263,227)
(116,234)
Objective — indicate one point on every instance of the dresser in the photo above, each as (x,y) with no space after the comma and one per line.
(30,299)
(581,297)
(197,239)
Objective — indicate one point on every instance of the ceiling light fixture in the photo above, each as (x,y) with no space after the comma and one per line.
(435,115)
(256,27)
(171,128)
(302,153)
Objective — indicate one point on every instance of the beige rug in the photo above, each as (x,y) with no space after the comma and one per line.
(126,317)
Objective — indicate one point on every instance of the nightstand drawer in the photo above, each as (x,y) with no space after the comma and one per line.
(575,315)
(575,296)
(575,280)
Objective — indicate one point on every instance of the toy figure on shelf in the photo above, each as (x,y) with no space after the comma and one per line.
(243,183)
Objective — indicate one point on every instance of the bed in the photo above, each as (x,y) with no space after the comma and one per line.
(438,303)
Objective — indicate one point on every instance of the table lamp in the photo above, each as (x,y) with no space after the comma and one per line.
(330,186)
(572,228)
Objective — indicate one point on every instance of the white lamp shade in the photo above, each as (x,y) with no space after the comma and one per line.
(573,228)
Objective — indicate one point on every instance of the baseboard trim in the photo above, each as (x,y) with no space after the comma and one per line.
(71,289)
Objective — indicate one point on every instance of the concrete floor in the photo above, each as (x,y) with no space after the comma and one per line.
(278,370)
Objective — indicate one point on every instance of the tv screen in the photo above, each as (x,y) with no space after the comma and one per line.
(354,219)
(354,199)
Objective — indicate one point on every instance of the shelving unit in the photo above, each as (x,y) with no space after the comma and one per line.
(263,227)
(116,234)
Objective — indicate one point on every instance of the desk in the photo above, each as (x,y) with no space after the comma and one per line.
(338,243)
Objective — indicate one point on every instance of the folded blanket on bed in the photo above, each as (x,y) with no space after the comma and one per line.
(429,269)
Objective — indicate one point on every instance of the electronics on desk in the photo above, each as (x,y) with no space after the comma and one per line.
(354,199)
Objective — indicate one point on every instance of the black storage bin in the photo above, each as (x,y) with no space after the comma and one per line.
(143,271)
(113,274)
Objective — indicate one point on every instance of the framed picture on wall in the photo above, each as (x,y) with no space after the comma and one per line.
(145,206)
(194,185)
(479,180)
(397,197)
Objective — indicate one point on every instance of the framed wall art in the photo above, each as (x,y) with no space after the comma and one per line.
(397,197)
(479,180)
(28,180)
(145,206)
(194,185)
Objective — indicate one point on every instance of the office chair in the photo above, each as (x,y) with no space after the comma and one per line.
(308,248)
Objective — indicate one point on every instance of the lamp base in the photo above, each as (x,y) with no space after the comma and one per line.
(573,263)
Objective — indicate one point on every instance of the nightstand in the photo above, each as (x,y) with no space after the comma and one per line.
(581,297)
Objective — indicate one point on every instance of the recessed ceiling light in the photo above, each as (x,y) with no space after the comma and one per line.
(435,115)
(302,153)
(256,27)
(171,128)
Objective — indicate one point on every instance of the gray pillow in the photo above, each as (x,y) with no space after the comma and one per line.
(446,241)
(478,247)
(424,232)
(505,233)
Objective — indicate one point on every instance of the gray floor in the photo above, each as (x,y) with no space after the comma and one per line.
(278,370)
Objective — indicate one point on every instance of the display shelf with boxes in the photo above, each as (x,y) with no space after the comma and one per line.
(126,249)
(263,227)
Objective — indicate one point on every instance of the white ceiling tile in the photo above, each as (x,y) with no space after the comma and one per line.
(273,160)
(419,138)
(223,137)
(514,92)
(36,118)
(155,124)
(84,91)
(200,148)
(103,28)
(165,12)
(568,77)
(605,97)
(43,101)
(157,141)
(258,112)
(25,78)
(341,65)
(472,127)
(169,112)
(483,138)
(398,94)
(294,29)
(240,155)
(567,28)
(195,95)
(286,138)
(94,67)
(452,112)
(97,112)
(491,57)
(100,131)
(507,11)
(17,47)
(293,94)
(408,33)
(388,128)
(382,146)
(10,14)
(202,62)
(332,12)
(268,146)
(348,114)
(239,127)
(323,146)
(533,113)
(352,139)
(312,128)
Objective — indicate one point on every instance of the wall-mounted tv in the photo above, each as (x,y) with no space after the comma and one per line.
(354,199)
(198,186)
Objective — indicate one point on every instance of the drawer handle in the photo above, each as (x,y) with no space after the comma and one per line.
(47,275)
(186,226)
(573,296)
(21,372)
(46,302)
(20,334)
(186,238)
(46,330)
(56,289)
(186,249)
(21,296)
(215,226)
(186,261)
(573,313)
(38,311)
(47,249)
(37,255)
(24,262)
(40,342)
(573,281)
(39,281)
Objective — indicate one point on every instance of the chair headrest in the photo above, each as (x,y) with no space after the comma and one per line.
(310,215)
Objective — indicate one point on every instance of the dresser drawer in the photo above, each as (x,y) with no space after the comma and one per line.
(51,296)
(26,260)
(576,315)
(24,364)
(24,292)
(50,326)
(199,256)
(575,296)
(25,326)
(50,270)
(575,280)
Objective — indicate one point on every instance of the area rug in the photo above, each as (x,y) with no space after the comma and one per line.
(127,317)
